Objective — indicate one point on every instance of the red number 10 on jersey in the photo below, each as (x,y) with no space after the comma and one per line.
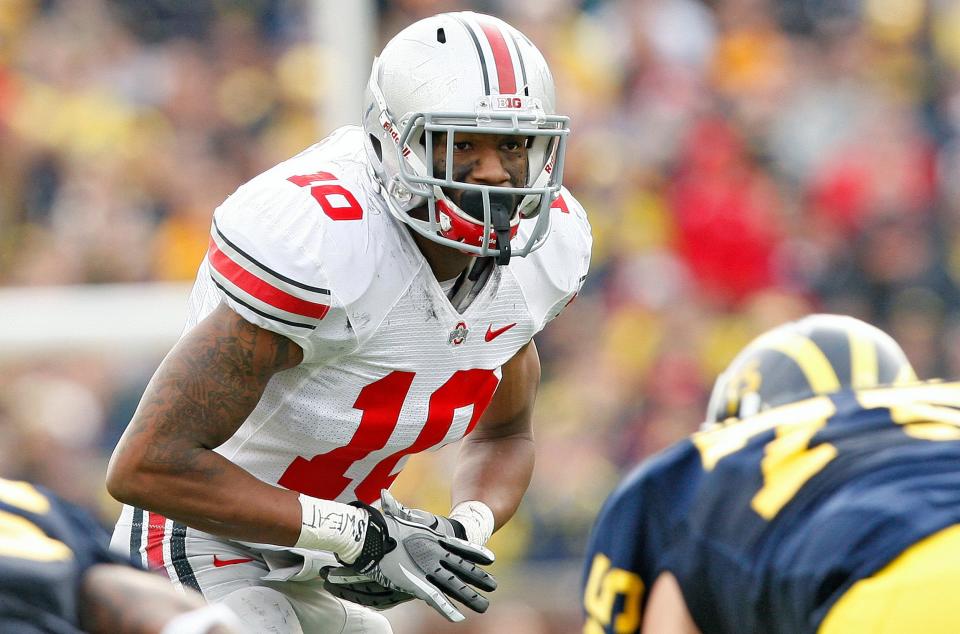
(324,475)
(335,200)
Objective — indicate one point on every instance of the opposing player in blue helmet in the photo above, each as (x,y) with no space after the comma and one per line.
(823,495)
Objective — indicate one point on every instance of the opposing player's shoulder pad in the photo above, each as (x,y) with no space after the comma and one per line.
(552,276)
(632,529)
(268,246)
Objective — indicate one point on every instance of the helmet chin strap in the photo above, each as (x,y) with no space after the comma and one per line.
(502,206)
(500,217)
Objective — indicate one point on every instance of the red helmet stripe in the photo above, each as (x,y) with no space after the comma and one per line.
(501,57)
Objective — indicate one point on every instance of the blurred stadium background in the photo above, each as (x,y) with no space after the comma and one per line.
(743,162)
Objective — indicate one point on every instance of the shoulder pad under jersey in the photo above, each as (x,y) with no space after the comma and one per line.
(301,249)
(552,275)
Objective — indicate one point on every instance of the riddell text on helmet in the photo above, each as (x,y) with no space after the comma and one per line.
(395,136)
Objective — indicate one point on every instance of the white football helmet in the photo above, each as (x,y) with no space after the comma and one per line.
(464,72)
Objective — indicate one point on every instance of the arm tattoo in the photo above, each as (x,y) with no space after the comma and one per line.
(207,387)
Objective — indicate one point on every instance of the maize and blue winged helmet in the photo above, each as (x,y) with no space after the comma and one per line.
(819,354)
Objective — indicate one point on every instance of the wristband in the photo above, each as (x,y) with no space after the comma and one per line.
(477,520)
(328,525)
(201,620)
(458,529)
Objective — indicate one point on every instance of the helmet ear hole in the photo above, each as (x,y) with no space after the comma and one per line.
(441,36)
(377,148)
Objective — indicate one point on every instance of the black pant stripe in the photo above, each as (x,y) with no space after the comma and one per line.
(178,553)
(136,538)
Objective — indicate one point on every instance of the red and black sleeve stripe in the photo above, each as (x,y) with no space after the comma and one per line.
(262,289)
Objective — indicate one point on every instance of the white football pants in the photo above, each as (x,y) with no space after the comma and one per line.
(230,573)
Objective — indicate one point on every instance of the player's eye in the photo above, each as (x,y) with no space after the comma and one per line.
(511,145)
(461,146)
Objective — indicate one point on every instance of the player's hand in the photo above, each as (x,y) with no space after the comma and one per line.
(441,524)
(405,555)
(346,583)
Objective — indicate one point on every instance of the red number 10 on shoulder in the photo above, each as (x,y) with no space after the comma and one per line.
(327,193)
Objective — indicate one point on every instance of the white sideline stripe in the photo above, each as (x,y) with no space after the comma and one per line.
(123,319)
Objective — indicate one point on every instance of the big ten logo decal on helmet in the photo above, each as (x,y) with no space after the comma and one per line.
(508,103)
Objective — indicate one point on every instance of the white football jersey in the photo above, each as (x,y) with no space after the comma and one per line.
(309,250)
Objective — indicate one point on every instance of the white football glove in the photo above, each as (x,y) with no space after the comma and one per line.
(344,582)
(405,555)
(447,526)
(295,564)
(348,584)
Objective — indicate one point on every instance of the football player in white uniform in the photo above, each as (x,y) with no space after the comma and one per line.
(370,298)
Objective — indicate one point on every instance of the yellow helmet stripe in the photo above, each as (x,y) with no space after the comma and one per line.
(905,375)
(815,366)
(864,370)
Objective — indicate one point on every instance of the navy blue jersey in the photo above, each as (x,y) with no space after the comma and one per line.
(46,545)
(767,521)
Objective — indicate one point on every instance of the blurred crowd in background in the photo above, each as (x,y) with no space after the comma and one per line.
(743,162)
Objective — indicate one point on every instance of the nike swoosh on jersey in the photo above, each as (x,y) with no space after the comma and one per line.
(493,334)
(220,563)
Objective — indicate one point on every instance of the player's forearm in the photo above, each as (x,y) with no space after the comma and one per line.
(208,492)
(200,395)
(496,460)
(495,471)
